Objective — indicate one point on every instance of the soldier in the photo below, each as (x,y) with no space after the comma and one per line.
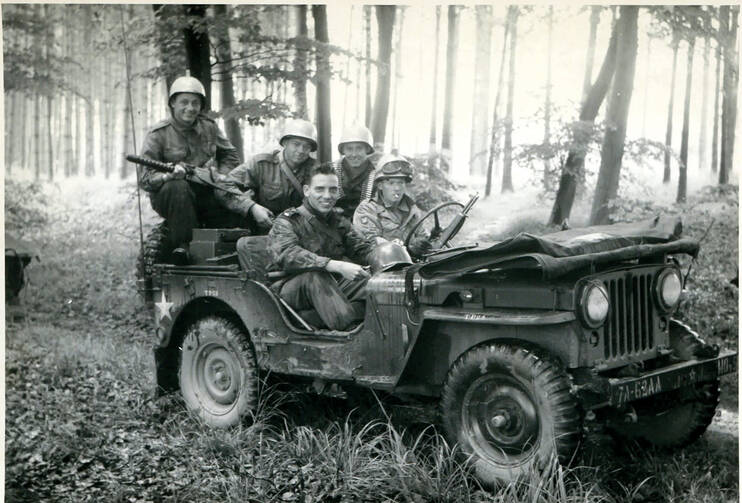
(310,243)
(273,181)
(354,169)
(187,136)
(391,213)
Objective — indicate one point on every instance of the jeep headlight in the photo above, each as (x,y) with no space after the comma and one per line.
(668,288)
(594,303)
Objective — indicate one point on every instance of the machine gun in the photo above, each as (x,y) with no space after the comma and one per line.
(201,175)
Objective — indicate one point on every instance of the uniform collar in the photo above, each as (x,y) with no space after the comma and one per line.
(182,128)
(329,218)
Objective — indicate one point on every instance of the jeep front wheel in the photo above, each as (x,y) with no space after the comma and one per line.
(218,372)
(510,410)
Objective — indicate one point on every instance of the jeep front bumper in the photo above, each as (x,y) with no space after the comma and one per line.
(627,389)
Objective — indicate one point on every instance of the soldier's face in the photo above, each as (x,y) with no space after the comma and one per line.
(296,150)
(392,190)
(186,107)
(322,192)
(355,153)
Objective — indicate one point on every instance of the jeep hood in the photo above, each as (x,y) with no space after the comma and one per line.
(562,252)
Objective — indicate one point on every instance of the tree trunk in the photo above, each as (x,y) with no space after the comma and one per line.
(573,168)
(590,57)
(715,126)
(367,29)
(324,112)
(670,106)
(479,115)
(731,79)
(346,68)
(196,38)
(226,89)
(300,63)
(434,106)
(494,152)
(68,158)
(646,87)
(616,116)
(89,98)
(397,73)
(385,17)
(507,169)
(702,137)
(10,118)
(22,129)
(547,105)
(451,49)
(683,168)
(37,136)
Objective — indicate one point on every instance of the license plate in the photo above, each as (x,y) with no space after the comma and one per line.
(676,376)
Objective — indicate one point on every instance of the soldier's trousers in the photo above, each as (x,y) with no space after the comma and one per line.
(186,205)
(336,301)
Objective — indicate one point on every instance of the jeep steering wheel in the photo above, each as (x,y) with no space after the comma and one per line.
(440,236)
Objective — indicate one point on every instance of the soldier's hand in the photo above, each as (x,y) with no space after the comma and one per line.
(179,172)
(347,270)
(262,216)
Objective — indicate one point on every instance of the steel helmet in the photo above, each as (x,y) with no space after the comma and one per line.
(299,128)
(387,255)
(357,134)
(393,166)
(187,84)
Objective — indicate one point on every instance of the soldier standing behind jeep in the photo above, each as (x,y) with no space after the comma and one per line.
(273,181)
(189,137)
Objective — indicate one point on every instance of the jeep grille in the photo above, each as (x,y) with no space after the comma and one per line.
(629,327)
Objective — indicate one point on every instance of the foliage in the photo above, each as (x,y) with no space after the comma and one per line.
(25,205)
(430,185)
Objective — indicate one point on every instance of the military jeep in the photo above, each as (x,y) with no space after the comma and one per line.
(518,342)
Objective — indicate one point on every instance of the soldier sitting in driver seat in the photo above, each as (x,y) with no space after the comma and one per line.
(391,213)
(311,244)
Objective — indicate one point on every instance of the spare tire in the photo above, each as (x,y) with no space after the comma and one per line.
(154,251)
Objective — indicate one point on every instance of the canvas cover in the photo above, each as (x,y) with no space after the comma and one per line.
(562,252)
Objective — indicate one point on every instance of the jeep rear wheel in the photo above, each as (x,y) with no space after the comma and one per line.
(218,373)
(510,410)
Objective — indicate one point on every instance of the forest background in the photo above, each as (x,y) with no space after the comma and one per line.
(586,114)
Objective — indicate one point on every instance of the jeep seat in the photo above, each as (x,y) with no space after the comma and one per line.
(252,252)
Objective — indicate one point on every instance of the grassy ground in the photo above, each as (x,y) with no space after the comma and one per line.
(81,424)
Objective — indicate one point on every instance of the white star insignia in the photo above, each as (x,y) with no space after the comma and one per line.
(163,308)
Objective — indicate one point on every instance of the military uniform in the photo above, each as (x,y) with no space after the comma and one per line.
(355,184)
(264,182)
(183,204)
(374,219)
(301,243)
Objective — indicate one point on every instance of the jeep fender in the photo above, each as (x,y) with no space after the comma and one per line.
(442,341)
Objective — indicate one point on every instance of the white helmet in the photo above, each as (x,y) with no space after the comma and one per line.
(357,134)
(299,128)
(187,84)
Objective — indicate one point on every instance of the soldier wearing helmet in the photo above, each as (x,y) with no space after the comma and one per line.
(391,213)
(354,169)
(186,137)
(310,243)
(273,180)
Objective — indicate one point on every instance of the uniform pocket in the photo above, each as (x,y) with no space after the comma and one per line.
(174,154)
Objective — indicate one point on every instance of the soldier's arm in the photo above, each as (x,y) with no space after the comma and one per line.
(237,179)
(358,246)
(226,155)
(152,180)
(419,243)
(287,252)
(366,221)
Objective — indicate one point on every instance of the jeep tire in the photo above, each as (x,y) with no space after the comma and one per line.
(218,373)
(676,418)
(510,409)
